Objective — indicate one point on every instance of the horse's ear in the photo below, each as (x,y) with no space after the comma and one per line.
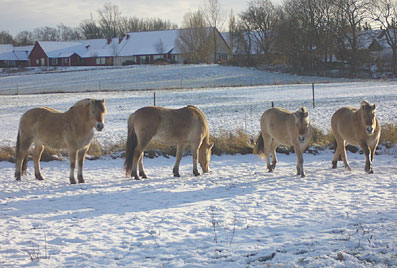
(364,103)
(374,107)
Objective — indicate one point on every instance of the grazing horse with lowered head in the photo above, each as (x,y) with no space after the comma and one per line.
(71,130)
(279,126)
(358,127)
(180,127)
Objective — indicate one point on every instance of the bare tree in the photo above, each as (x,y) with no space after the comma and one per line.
(193,40)
(212,13)
(45,34)
(6,38)
(66,33)
(109,20)
(262,19)
(159,47)
(24,38)
(350,15)
(384,12)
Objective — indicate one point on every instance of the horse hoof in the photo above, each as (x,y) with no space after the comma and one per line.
(196,174)
(39,177)
(177,175)
(72,181)
(334,164)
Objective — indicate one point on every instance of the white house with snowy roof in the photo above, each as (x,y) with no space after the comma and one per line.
(148,47)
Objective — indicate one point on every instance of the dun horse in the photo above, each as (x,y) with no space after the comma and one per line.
(71,130)
(180,127)
(279,126)
(358,127)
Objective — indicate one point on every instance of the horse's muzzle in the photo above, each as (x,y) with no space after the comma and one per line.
(301,139)
(370,130)
(99,126)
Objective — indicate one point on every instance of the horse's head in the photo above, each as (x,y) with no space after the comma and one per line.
(97,112)
(368,116)
(302,123)
(205,155)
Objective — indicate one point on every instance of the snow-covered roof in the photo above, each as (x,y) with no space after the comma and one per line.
(16,53)
(148,43)
(6,48)
(62,49)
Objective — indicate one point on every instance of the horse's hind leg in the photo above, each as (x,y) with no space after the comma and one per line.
(268,142)
(142,172)
(81,158)
(344,156)
(179,153)
(274,155)
(36,155)
(336,154)
(21,161)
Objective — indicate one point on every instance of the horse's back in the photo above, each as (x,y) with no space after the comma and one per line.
(166,125)
(46,125)
(36,115)
(344,123)
(274,122)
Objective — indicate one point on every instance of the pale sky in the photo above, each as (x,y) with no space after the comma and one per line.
(20,15)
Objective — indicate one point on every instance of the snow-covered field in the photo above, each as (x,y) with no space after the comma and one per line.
(141,77)
(238,215)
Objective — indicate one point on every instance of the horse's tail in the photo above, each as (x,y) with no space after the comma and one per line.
(17,152)
(259,146)
(132,142)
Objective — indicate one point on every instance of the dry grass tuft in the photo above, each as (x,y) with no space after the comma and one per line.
(7,153)
(320,139)
(233,143)
(388,135)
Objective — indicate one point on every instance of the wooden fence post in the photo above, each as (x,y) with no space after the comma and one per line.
(314,105)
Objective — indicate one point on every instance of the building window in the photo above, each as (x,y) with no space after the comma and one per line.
(37,61)
(222,56)
(100,61)
(54,61)
(42,61)
(66,60)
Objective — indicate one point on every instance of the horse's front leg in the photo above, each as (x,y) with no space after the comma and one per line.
(368,162)
(179,153)
(299,164)
(195,152)
(81,157)
(72,159)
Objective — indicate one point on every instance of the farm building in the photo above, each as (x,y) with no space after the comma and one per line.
(96,52)
(11,56)
(148,47)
